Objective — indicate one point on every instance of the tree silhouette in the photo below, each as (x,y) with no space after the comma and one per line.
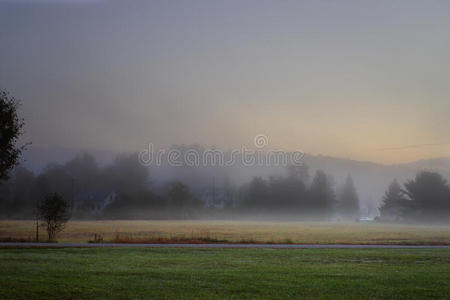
(54,210)
(429,193)
(11,127)
(348,200)
(321,194)
(394,205)
(258,194)
(181,199)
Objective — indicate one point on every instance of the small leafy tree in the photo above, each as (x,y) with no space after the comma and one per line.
(54,211)
(11,127)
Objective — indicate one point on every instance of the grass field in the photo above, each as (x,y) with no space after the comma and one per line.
(238,231)
(118,273)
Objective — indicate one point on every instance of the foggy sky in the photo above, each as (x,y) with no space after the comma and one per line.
(367,80)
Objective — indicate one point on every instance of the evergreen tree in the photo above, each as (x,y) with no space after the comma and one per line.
(258,194)
(394,203)
(348,200)
(321,194)
(429,193)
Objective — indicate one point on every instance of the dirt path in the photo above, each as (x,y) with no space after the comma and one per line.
(268,246)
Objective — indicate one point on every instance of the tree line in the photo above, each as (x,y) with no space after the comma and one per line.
(21,193)
(291,193)
(424,198)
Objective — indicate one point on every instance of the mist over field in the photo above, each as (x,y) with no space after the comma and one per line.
(371,179)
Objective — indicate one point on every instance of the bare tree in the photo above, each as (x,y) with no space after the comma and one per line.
(54,211)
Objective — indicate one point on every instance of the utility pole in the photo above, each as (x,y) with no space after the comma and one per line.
(214,191)
(73,189)
(37,229)
(72,201)
(36,215)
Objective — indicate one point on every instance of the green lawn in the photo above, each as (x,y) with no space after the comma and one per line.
(224,273)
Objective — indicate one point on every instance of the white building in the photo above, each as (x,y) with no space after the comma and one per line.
(217,198)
